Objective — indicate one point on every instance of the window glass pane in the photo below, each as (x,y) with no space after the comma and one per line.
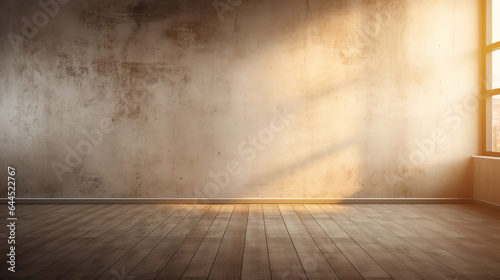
(495,69)
(495,114)
(495,20)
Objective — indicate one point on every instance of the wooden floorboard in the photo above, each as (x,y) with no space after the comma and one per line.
(32,227)
(414,257)
(312,217)
(255,257)
(313,261)
(463,247)
(63,266)
(94,266)
(432,243)
(229,259)
(367,266)
(135,255)
(382,255)
(254,241)
(283,258)
(39,257)
(203,259)
(180,260)
(154,262)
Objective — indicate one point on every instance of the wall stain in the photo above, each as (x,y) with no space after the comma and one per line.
(136,190)
(105,66)
(137,84)
(89,183)
(99,16)
(191,33)
(355,41)
(81,43)
(148,11)
(66,66)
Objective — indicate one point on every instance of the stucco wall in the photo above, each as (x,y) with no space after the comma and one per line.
(248,99)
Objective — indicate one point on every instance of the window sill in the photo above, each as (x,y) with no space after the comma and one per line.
(487,157)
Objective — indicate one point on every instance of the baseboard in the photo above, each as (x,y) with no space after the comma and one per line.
(244,200)
(487,204)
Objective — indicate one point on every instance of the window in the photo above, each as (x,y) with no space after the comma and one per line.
(496,123)
(492,65)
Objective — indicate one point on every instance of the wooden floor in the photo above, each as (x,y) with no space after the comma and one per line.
(256,241)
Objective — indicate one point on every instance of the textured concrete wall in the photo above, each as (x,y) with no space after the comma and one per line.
(274,98)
